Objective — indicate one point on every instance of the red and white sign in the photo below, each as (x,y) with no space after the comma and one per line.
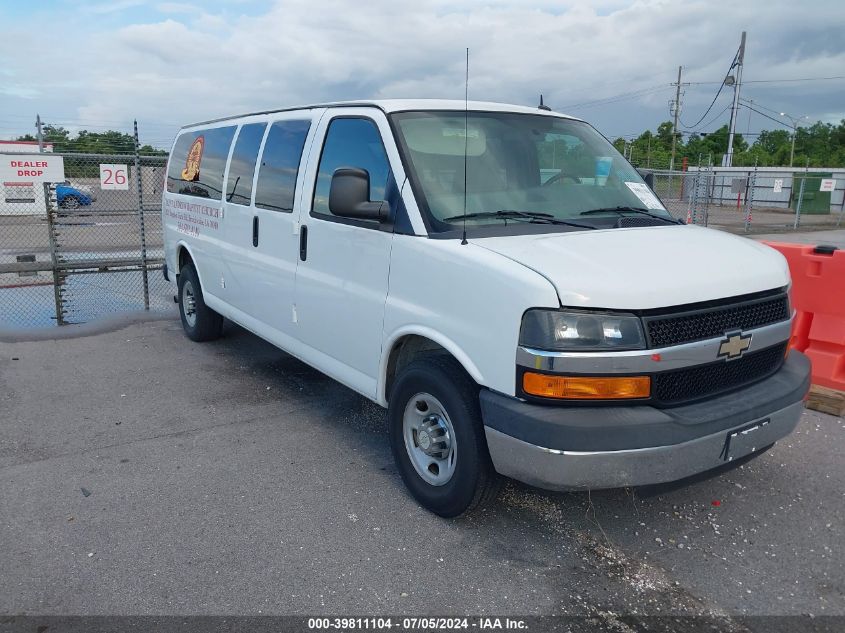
(113,176)
(31,168)
(827,184)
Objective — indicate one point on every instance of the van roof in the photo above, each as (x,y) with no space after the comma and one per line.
(404,105)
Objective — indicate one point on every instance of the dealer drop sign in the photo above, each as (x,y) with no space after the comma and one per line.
(31,168)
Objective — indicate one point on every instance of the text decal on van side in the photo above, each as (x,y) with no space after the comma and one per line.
(191,218)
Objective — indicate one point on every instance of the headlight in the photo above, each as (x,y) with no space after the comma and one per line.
(558,330)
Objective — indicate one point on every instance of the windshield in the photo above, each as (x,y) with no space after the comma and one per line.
(518,165)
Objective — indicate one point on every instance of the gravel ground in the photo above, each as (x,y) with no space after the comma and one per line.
(145,474)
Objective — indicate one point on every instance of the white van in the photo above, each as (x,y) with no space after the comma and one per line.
(499,278)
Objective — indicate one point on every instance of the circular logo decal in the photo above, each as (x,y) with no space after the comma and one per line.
(191,172)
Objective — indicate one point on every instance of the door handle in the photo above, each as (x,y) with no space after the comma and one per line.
(255,230)
(303,242)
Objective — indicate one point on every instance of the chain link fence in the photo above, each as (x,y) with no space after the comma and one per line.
(90,246)
(754,200)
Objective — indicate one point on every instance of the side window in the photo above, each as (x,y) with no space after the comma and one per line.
(280,165)
(242,165)
(198,162)
(351,143)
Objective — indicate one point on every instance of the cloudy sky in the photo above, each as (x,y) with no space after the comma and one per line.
(99,64)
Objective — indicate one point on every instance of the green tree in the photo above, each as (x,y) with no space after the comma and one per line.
(774,140)
(664,134)
(820,144)
(109,142)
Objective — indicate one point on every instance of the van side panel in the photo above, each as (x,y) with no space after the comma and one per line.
(192,200)
(325,363)
(464,297)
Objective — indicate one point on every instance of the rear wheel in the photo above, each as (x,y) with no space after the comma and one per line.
(70,202)
(437,437)
(200,322)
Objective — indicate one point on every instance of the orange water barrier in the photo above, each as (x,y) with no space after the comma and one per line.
(818,297)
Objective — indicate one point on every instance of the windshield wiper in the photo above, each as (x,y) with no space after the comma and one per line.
(623,210)
(530,216)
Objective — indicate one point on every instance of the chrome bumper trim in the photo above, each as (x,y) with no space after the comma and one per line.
(644,360)
(567,470)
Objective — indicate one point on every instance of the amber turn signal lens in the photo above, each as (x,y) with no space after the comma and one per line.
(586,387)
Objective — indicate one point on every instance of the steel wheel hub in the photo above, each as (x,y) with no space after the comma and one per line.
(189,303)
(429,439)
(433,437)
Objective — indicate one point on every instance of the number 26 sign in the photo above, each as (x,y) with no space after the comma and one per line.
(114,177)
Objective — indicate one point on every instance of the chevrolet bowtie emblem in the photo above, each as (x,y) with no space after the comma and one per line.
(734,345)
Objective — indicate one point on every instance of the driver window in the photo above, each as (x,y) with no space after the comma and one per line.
(351,142)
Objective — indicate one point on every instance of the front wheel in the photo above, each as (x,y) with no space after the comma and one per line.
(200,322)
(437,437)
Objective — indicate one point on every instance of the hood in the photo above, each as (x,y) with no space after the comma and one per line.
(644,268)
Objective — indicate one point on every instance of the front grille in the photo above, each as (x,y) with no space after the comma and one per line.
(692,383)
(686,327)
(629,222)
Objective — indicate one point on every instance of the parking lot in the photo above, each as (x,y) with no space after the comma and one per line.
(145,474)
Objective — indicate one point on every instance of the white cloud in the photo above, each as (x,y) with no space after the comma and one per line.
(199,63)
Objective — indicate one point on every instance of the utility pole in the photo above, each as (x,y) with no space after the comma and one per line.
(677,109)
(737,82)
(795,121)
(39,134)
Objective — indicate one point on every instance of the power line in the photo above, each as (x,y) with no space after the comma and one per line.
(715,118)
(614,98)
(712,103)
(772,81)
(760,105)
(77,121)
(778,81)
(763,114)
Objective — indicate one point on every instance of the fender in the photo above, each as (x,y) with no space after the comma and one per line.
(183,244)
(421,330)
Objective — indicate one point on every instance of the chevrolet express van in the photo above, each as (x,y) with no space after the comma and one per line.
(499,278)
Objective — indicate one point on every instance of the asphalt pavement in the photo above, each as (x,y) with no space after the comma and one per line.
(834,237)
(146,474)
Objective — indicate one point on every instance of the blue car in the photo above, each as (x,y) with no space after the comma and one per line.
(70,196)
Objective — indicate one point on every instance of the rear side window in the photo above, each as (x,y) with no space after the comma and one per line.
(198,162)
(242,165)
(280,165)
(351,143)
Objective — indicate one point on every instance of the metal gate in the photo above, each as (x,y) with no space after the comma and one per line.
(75,251)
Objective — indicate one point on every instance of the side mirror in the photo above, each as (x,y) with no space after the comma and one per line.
(349,196)
(648,176)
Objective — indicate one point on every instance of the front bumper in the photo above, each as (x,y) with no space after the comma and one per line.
(576,448)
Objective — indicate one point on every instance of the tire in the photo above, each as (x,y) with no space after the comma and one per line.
(70,202)
(434,419)
(200,322)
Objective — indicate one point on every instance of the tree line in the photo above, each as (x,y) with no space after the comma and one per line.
(85,142)
(817,145)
